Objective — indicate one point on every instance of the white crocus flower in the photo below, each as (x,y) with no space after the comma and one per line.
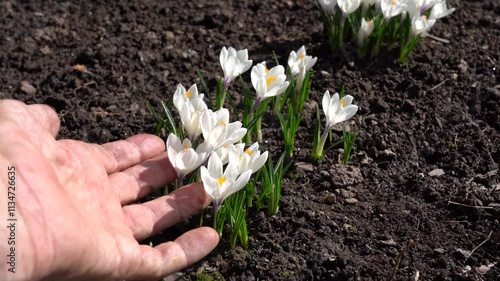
(217,131)
(219,183)
(300,60)
(328,6)
(190,113)
(233,63)
(336,110)
(248,159)
(392,8)
(367,4)
(348,6)
(299,63)
(223,152)
(181,95)
(183,157)
(420,25)
(419,7)
(364,31)
(439,10)
(268,82)
(413,7)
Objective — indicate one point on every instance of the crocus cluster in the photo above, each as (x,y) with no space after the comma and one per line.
(372,23)
(272,83)
(241,163)
(211,135)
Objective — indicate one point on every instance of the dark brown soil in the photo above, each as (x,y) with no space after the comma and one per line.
(439,111)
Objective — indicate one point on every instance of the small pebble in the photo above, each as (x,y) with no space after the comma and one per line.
(390,243)
(439,250)
(351,201)
(464,253)
(344,193)
(324,173)
(330,199)
(27,88)
(436,173)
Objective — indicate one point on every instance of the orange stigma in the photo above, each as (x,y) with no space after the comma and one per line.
(270,80)
(221,180)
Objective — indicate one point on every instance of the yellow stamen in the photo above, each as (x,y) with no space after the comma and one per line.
(266,70)
(185,147)
(301,56)
(424,17)
(249,152)
(342,102)
(222,123)
(393,3)
(188,94)
(270,80)
(221,180)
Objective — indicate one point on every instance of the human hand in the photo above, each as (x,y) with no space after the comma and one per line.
(74,217)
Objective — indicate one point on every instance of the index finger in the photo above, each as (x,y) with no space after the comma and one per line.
(119,155)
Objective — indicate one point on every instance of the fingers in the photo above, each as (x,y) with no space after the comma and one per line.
(171,257)
(194,244)
(154,216)
(139,180)
(122,154)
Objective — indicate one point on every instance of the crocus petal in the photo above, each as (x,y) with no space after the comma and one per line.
(185,159)
(348,112)
(215,165)
(328,6)
(223,58)
(242,181)
(174,142)
(259,162)
(209,183)
(261,88)
(326,101)
(439,10)
(347,99)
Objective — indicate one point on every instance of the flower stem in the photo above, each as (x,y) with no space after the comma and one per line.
(318,150)
(258,125)
(221,96)
(215,225)
(178,183)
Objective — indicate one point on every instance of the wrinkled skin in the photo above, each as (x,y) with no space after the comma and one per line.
(74,204)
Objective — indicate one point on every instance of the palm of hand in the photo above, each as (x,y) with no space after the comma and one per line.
(73,217)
